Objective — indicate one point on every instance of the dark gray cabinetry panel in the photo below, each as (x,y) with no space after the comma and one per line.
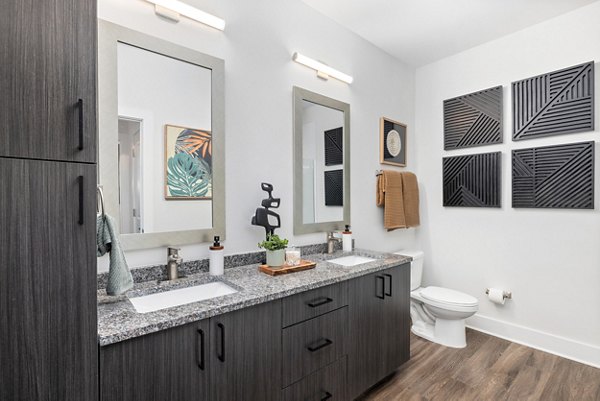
(48,53)
(245,354)
(379,327)
(328,384)
(167,365)
(48,335)
(307,305)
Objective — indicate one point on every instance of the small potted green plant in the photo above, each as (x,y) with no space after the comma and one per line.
(275,248)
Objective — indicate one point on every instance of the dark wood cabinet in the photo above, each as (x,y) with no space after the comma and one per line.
(48,336)
(245,354)
(48,51)
(167,365)
(379,327)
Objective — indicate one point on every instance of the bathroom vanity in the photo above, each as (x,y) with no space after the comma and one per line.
(325,334)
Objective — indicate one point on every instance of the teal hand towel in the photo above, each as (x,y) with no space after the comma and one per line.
(107,240)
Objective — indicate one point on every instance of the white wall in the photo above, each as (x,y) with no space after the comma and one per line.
(549,259)
(257,46)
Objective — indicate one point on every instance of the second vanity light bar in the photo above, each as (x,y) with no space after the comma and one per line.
(190,12)
(322,69)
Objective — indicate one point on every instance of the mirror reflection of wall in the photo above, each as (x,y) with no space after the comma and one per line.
(322,164)
(165,176)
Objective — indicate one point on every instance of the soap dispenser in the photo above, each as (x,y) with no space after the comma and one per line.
(347,239)
(216,259)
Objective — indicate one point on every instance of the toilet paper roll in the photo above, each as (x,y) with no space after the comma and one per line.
(496,296)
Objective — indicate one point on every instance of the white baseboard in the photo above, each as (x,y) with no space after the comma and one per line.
(577,351)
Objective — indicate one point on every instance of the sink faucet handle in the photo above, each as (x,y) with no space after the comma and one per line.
(171,250)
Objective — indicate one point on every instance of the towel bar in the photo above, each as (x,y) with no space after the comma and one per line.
(100,205)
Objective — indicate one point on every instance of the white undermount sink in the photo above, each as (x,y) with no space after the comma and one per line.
(182,296)
(352,260)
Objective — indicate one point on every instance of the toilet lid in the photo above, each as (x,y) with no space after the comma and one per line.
(448,296)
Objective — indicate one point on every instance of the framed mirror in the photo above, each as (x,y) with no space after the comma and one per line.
(321,163)
(161,139)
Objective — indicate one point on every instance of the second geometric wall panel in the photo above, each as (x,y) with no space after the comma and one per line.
(472,180)
(559,102)
(560,176)
(473,120)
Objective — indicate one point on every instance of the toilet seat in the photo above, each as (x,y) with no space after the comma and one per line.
(446,298)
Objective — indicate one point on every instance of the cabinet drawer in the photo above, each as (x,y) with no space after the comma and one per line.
(309,304)
(328,383)
(313,344)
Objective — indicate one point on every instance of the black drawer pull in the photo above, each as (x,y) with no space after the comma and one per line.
(382,296)
(221,353)
(389,294)
(319,344)
(80,109)
(319,301)
(328,395)
(200,349)
(80,182)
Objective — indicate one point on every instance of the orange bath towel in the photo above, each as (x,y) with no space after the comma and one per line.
(398,193)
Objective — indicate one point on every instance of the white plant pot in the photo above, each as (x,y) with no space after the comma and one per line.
(276,258)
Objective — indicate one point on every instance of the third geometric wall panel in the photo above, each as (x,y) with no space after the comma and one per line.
(560,176)
(560,102)
(474,119)
(472,180)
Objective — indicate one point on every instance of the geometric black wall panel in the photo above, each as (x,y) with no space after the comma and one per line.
(560,176)
(472,180)
(333,147)
(334,188)
(560,102)
(474,119)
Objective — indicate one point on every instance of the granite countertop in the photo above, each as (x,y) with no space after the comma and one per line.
(118,320)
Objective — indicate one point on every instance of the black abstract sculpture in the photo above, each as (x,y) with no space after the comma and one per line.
(262,215)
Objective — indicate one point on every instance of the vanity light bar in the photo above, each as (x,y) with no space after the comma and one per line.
(323,70)
(190,12)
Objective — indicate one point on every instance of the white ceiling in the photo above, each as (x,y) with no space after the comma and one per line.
(419,32)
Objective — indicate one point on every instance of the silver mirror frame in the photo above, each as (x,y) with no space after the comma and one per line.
(109,35)
(300,227)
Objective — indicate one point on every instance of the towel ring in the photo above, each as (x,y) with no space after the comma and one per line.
(100,205)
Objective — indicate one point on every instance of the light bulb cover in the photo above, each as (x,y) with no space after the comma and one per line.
(191,12)
(321,68)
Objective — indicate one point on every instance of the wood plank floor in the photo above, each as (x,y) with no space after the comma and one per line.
(489,368)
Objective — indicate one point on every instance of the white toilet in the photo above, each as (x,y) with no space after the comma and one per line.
(438,314)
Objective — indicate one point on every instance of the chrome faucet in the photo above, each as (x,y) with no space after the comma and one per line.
(331,240)
(173,262)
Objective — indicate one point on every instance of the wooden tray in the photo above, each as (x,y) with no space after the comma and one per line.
(285,269)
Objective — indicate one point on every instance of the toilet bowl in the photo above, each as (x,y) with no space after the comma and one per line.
(438,314)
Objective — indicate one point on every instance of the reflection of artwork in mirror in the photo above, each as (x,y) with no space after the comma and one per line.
(322,174)
(188,163)
(392,142)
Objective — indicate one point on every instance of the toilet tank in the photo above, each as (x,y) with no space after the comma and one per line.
(416,266)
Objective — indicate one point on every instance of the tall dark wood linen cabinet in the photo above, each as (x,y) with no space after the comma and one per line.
(48,322)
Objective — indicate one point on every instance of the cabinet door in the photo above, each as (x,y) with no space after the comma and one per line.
(366,361)
(168,365)
(396,323)
(48,52)
(245,354)
(48,334)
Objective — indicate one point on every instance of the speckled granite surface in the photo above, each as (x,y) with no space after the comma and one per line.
(118,320)
(190,267)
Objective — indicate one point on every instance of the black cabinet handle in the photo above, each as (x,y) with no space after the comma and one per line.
(389,294)
(221,352)
(328,395)
(200,349)
(322,343)
(382,296)
(80,182)
(80,109)
(319,301)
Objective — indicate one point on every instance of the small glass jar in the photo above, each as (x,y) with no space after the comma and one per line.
(292,256)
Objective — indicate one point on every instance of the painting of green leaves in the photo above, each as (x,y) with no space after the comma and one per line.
(188,163)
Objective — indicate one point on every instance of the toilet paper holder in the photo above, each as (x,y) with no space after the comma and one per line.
(505,294)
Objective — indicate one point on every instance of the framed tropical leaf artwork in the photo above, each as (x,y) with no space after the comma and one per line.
(188,163)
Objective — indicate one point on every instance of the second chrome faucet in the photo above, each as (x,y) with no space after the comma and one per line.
(173,262)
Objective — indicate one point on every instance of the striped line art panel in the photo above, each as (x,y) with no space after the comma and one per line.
(559,102)
(473,120)
(560,176)
(472,180)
